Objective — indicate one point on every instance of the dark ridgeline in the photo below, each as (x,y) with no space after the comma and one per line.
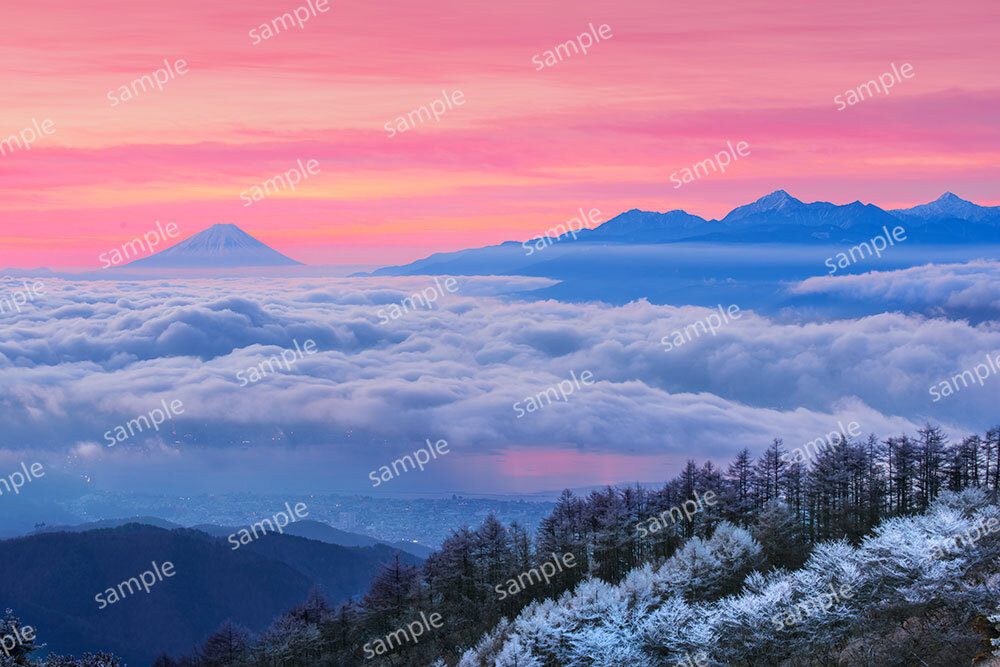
(841,492)
(50,580)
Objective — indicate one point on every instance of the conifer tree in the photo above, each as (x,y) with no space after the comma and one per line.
(229,645)
(11,626)
(779,533)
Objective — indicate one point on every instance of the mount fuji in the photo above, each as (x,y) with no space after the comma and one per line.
(219,246)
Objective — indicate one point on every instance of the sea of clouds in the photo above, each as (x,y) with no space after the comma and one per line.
(91,354)
(967,290)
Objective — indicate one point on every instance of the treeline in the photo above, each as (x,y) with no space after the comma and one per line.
(789,504)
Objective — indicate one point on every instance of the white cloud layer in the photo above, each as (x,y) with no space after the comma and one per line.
(91,355)
(954,290)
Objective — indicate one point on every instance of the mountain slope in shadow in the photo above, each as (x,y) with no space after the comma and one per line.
(51,580)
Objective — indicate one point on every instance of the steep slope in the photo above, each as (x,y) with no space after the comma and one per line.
(51,580)
(352,573)
(219,246)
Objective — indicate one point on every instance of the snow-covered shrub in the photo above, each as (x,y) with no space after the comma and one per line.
(705,569)
(658,616)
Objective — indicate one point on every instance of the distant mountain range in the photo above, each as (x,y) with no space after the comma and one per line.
(51,579)
(321,532)
(775,218)
(308,528)
(218,247)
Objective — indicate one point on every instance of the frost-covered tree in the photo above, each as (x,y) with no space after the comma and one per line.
(11,626)
(915,604)
(20,654)
(290,640)
(706,569)
(884,601)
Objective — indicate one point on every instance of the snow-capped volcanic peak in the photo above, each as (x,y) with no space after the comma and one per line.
(222,245)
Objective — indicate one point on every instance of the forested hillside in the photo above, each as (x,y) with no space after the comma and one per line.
(883,602)
(51,580)
(653,585)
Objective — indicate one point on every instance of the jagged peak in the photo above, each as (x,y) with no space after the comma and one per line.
(951,198)
(776,199)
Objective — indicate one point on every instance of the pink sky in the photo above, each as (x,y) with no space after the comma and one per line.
(604,130)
